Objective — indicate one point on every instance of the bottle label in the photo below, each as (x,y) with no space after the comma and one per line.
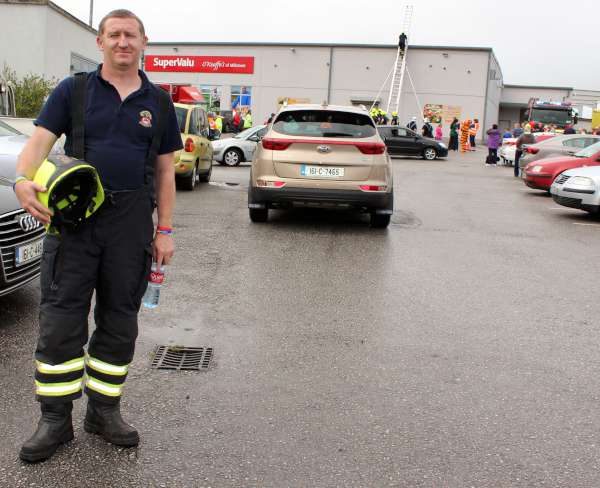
(156,277)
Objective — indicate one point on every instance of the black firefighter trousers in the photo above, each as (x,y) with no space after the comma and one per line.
(111,253)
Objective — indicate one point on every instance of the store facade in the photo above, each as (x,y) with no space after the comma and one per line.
(448,81)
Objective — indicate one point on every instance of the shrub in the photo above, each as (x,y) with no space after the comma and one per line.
(31,91)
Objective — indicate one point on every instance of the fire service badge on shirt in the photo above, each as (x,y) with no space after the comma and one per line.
(145,118)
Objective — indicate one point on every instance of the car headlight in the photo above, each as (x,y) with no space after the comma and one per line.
(580,184)
(536,169)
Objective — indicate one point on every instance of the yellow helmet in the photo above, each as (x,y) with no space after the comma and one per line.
(73,190)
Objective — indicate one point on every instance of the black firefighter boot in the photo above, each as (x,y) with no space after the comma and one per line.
(54,428)
(105,419)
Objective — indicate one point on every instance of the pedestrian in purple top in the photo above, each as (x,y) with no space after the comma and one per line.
(493,143)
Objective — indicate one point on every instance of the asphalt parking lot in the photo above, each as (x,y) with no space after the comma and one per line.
(457,348)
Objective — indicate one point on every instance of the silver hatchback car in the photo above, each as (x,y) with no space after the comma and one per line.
(562,145)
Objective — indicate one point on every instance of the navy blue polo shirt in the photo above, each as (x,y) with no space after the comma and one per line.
(118,132)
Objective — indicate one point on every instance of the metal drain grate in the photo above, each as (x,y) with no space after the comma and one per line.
(182,358)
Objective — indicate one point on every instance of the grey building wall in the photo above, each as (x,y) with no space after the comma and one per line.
(509,116)
(65,37)
(520,94)
(494,94)
(585,98)
(22,37)
(39,37)
(344,74)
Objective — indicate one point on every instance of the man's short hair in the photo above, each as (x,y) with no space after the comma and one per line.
(121,14)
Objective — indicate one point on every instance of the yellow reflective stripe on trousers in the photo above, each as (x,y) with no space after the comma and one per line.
(67,367)
(106,368)
(58,389)
(104,388)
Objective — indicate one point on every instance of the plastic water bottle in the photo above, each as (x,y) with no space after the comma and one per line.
(155,281)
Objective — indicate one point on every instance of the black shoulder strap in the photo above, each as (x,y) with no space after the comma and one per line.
(163,111)
(78,98)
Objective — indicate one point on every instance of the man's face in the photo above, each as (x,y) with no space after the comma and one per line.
(121,42)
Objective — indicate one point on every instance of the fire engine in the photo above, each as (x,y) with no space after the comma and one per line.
(541,113)
(183,93)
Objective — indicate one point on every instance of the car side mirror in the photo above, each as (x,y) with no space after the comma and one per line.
(254,138)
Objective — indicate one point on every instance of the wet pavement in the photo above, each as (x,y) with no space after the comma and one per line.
(458,348)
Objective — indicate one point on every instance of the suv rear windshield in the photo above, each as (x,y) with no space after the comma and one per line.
(324,123)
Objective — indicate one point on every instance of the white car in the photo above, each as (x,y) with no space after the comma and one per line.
(239,148)
(578,188)
(507,150)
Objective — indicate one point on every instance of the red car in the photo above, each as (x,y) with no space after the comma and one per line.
(540,174)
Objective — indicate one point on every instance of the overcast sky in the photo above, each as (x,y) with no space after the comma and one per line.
(549,42)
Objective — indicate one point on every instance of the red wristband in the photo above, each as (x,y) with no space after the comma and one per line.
(167,229)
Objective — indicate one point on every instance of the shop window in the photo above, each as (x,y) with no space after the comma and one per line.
(80,63)
(241,97)
(212,97)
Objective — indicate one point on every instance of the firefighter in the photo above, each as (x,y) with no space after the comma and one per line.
(131,133)
(402,42)
(412,125)
(383,118)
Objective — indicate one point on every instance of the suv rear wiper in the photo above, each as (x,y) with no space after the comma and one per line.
(337,134)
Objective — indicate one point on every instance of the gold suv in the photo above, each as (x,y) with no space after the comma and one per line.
(322,155)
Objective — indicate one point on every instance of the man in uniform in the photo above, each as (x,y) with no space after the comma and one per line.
(402,42)
(110,252)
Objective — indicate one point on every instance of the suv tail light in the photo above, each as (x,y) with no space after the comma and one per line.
(372,188)
(189,145)
(370,147)
(532,150)
(276,144)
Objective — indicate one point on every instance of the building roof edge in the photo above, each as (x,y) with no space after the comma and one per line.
(318,44)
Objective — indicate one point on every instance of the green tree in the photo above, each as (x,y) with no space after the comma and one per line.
(31,91)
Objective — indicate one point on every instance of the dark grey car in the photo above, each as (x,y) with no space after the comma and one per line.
(401,141)
(20,234)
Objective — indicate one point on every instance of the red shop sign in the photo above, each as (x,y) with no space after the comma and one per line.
(199,64)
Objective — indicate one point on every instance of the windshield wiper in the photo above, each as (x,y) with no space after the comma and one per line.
(337,134)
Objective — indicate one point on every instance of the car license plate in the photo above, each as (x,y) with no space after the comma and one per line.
(28,252)
(321,171)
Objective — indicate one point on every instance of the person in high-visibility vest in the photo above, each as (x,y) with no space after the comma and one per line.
(219,123)
(248,120)
(474,129)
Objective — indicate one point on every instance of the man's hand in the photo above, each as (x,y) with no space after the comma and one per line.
(163,249)
(26,192)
